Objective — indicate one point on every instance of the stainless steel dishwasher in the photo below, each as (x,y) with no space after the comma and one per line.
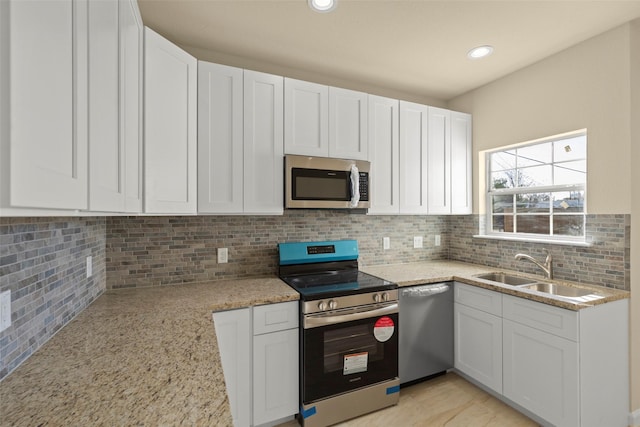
(426,331)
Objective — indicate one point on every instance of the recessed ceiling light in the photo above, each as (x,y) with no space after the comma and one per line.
(322,5)
(480,52)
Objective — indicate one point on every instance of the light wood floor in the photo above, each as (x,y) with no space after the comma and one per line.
(447,401)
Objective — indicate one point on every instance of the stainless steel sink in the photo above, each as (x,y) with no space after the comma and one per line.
(557,289)
(507,279)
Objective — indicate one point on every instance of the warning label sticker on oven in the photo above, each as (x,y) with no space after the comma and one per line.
(354,363)
(383,329)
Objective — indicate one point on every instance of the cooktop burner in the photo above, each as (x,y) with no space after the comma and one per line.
(326,269)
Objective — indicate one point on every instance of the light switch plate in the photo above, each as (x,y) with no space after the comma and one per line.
(437,240)
(223,255)
(386,243)
(5,310)
(417,242)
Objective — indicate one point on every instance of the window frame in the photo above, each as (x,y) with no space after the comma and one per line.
(550,189)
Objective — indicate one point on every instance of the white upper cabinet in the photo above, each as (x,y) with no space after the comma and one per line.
(449,162)
(439,161)
(461,164)
(220,140)
(170,137)
(348,124)
(325,121)
(106,154)
(263,143)
(306,118)
(115,36)
(413,158)
(43,111)
(384,136)
(240,141)
(131,46)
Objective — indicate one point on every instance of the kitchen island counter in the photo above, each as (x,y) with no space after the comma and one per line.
(144,356)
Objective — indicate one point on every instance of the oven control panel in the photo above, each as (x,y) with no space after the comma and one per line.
(324,249)
(350,301)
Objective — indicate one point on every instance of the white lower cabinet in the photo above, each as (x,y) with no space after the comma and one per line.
(478,335)
(564,367)
(233,330)
(541,373)
(259,352)
(478,345)
(275,376)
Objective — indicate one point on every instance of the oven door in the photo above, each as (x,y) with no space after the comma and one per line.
(344,350)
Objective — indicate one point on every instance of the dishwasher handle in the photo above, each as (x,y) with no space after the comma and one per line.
(425,290)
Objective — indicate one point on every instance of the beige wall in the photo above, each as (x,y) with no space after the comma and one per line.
(290,70)
(635,215)
(593,85)
(586,86)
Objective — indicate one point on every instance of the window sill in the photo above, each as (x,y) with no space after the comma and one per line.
(533,240)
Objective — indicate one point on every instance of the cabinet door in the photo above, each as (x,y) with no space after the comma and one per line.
(170,127)
(106,149)
(461,164)
(45,150)
(439,161)
(413,158)
(220,138)
(348,124)
(263,143)
(478,345)
(131,36)
(306,118)
(233,331)
(275,376)
(541,373)
(384,137)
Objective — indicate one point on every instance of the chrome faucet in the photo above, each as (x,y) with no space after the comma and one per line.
(547,266)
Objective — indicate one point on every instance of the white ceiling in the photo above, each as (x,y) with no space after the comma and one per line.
(412,46)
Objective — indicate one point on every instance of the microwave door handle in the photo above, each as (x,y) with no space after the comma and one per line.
(355,186)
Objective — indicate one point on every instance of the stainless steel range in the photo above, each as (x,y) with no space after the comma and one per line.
(349,332)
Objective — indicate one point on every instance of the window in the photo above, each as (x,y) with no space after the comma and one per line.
(538,190)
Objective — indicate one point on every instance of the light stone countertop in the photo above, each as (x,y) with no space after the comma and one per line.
(135,357)
(149,356)
(444,271)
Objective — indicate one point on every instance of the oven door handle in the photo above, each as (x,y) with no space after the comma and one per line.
(312,321)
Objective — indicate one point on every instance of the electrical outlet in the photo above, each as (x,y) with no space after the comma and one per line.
(437,242)
(89,266)
(417,242)
(223,255)
(386,243)
(5,310)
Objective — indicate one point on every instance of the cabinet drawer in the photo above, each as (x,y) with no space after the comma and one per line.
(275,317)
(557,321)
(482,299)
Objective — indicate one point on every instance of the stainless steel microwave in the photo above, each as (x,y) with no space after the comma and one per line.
(321,182)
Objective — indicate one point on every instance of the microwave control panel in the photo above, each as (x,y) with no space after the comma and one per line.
(364,186)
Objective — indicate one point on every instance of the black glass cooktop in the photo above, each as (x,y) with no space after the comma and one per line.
(335,283)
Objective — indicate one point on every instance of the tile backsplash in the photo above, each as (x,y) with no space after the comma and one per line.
(43,263)
(605,262)
(153,251)
(43,260)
